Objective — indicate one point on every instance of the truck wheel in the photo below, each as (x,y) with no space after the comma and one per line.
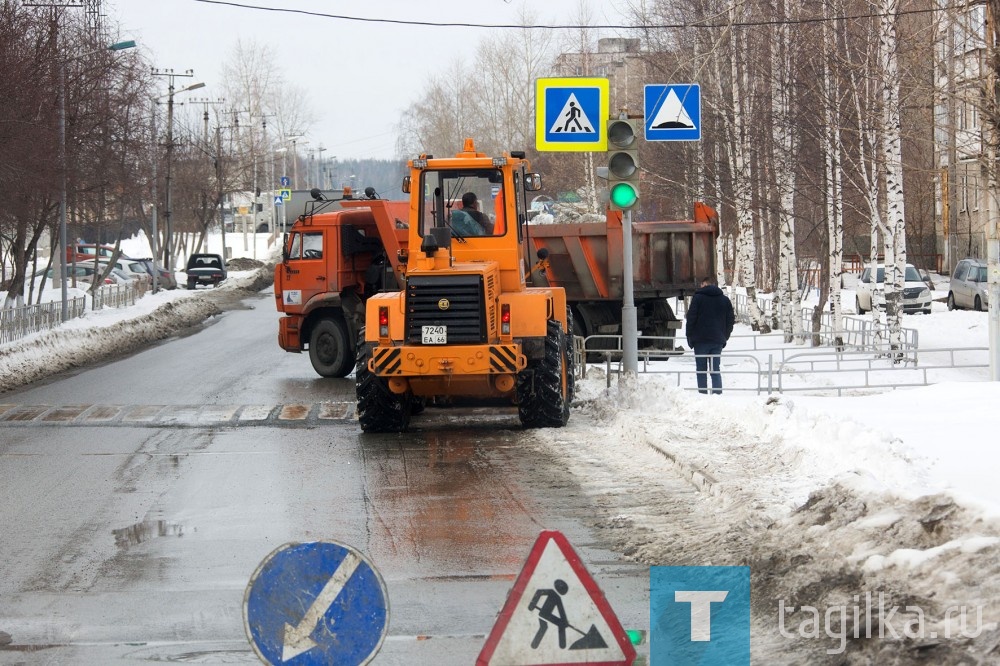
(543,387)
(329,350)
(191,284)
(379,409)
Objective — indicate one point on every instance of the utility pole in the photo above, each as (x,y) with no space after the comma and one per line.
(168,211)
(992,135)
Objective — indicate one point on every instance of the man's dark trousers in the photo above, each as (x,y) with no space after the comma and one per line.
(702,361)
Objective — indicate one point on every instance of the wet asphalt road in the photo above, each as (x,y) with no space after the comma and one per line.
(137,499)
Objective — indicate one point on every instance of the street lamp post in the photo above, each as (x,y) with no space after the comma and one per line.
(168,211)
(295,159)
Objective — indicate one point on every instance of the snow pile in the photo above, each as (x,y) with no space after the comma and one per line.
(828,507)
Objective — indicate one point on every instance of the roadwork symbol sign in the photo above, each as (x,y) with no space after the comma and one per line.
(316,603)
(556,615)
(673,112)
(570,114)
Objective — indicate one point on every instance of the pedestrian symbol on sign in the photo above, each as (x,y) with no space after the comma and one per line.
(572,113)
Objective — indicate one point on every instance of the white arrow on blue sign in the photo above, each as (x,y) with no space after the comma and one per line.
(316,603)
(673,112)
(285,182)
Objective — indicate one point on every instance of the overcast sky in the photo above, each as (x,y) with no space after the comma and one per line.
(360,76)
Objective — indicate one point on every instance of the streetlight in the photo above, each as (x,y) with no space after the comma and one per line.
(171,75)
(295,158)
(117,46)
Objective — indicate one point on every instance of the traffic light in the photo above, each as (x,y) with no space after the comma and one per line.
(623,163)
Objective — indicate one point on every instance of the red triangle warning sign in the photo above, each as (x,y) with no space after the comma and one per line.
(556,615)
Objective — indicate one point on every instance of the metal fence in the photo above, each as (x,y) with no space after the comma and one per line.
(771,369)
(855,332)
(16,323)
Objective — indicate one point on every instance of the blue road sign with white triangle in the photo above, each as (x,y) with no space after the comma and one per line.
(673,112)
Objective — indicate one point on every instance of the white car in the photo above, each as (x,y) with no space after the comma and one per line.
(916,292)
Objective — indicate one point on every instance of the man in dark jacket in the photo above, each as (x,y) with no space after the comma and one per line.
(710,320)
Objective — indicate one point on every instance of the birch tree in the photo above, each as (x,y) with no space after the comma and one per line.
(895,241)
(784,146)
(832,149)
(741,151)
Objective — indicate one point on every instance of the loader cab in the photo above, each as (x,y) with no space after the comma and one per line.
(468,202)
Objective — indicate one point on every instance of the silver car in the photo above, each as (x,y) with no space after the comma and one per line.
(968,288)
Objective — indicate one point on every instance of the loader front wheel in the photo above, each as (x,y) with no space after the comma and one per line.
(543,388)
(379,409)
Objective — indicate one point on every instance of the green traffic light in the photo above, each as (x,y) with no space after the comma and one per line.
(636,636)
(623,195)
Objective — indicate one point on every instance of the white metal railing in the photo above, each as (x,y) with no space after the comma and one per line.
(838,371)
(16,323)
(118,295)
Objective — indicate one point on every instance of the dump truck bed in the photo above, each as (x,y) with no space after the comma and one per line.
(669,258)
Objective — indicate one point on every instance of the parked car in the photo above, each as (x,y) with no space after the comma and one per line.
(916,293)
(164,279)
(82,273)
(205,269)
(115,276)
(968,287)
(85,251)
(135,270)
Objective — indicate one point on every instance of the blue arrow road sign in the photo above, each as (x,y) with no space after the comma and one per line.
(316,603)
(673,112)
(285,182)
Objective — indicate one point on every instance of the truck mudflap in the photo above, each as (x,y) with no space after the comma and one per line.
(426,360)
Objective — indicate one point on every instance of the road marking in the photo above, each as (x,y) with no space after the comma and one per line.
(290,415)
(335,410)
(214,413)
(294,412)
(256,412)
(67,413)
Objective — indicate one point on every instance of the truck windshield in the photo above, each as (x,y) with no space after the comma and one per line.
(468,201)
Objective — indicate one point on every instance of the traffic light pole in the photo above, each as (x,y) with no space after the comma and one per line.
(630,323)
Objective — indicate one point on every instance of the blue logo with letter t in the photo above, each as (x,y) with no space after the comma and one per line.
(699,616)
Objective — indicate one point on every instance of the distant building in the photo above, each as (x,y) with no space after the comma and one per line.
(961,67)
(617,59)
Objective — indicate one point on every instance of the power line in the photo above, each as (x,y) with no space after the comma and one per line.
(512,26)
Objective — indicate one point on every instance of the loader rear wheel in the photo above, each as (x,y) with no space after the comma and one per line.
(543,388)
(329,350)
(379,409)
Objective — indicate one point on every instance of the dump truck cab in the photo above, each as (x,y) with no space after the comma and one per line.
(467,322)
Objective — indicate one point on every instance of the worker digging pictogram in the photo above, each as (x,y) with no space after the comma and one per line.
(548,603)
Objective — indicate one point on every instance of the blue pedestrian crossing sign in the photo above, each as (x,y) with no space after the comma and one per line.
(278,200)
(673,112)
(571,114)
(316,603)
